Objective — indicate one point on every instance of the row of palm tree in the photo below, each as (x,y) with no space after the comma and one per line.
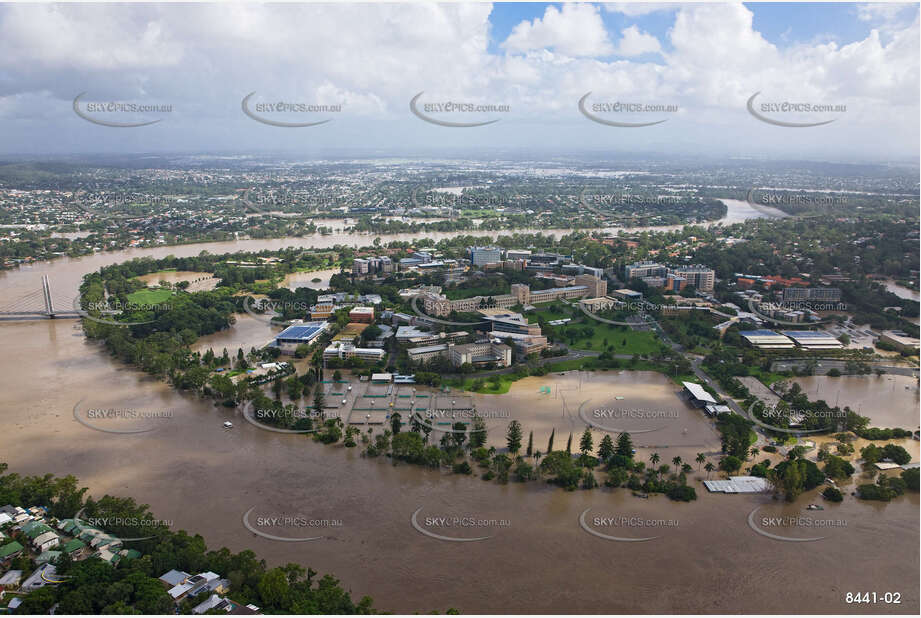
(655,458)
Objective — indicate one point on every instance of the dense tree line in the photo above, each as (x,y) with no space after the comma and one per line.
(95,587)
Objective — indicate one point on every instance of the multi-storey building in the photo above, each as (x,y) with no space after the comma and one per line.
(344,350)
(482,353)
(595,284)
(362,315)
(484,255)
(701,277)
(372,266)
(517,254)
(643,269)
(812,294)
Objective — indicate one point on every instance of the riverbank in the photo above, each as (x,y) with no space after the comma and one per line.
(204,478)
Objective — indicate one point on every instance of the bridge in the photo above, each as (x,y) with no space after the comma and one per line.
(38,305)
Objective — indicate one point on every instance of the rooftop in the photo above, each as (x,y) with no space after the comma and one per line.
(739,485)
(698,392)
(307,330)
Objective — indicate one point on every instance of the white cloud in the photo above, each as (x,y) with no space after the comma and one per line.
(577,30)
(634,42)
(635,9)
(374,58)
(880,11)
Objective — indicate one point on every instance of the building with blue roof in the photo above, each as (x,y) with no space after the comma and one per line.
(297,334)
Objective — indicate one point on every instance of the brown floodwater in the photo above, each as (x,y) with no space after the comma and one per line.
(536,557)
(888,400)
(306,279)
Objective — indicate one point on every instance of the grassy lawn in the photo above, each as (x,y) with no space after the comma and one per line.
(566,365)
(490,387)
(546,311)
(622,341)
(767,378)
(148,296)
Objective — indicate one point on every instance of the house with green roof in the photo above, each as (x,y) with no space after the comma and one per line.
(68,526)
(73,545)
(48,556)
(10,551)
(35,529)
(106,556)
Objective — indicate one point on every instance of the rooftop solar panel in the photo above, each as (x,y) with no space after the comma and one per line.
(299,331)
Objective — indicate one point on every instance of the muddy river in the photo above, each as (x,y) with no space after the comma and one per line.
(391,531)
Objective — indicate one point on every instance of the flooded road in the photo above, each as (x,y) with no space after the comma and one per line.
(536,556)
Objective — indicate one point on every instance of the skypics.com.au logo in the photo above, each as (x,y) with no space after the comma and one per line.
(622,525)
(445,420)
(790,416)
(612,419)
(414,303)
(281,113)
(457,528)
(782,113)
(593,202)
(107,113)
(288,527)
(107,204)
(272,311)
(795,312)
(117,420)
(624,110)
(438,112)
(811,203)
(792,528)
(95,530)
(638,310)
(452,202)
(286,420)
(107,310)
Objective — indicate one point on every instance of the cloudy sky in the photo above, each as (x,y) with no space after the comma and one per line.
(698,63)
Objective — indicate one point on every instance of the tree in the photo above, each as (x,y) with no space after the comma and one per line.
(586,444)
(606,448)
(569,444)
(700,459)
(395,422)
(911,478)
(550,441)
(654,459)
(407,446)
(709,467)
(530,448)
(478,432)
(564,470)
(513,437)
(677,461)
(837,468)
(273,588)
(730,463)
(319,401)
(337,375)
(625,446)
